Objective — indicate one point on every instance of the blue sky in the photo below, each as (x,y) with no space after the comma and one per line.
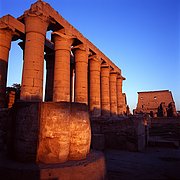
(142,37)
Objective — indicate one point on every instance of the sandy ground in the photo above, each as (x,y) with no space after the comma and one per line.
(152,164)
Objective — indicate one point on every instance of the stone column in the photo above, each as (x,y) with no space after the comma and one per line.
(49,57)
(32,79)
(95,96)
(5,43)
(119,95)
(72,76)
(113,93)
(61,90)
(105,94)
(81,73)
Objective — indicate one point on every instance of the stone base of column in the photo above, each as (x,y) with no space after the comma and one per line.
(92,168)
(50,132)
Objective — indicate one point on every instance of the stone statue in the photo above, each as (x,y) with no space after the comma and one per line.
(172,110)
(162,112)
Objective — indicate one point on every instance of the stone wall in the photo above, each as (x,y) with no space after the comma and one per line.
(127,133)
(166,127)
(26,117)
(3,128)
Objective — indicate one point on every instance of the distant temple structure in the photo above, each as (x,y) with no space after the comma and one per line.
(156,104)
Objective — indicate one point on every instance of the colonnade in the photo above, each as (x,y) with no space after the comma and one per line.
(91,80)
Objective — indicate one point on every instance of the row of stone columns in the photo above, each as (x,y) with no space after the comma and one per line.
(111,92)
(105,86)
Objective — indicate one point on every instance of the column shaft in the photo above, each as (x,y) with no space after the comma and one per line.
(32,78)
(105,94)
(61,91)
(5,43)
(81,76)
(95,96)
(113,93)
(119,96)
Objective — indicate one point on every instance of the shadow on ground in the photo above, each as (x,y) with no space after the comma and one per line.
(154,163)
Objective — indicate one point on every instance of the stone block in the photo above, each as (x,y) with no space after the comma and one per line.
(57,132)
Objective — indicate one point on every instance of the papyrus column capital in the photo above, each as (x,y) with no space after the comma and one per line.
(81,48)
(62,41)
(29,13)
(39,9)
(5,26)
(8,32)
(95,58)
(35,21)
(113,73)
(105,65)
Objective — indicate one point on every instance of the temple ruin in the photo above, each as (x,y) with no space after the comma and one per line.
(77,71)
(61,134)
(156,103)
(81,83)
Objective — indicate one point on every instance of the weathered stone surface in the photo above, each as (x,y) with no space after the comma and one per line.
(26,120)
(61,90)
(121,101)
(11,98)
(54,136)
(5,44)
(80,132)
(95,83)
(165,127)
(105,93)
(65,132)
(113,93)
(121,132)
(81,70)
(57,132)
(32,78)
(171,111)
